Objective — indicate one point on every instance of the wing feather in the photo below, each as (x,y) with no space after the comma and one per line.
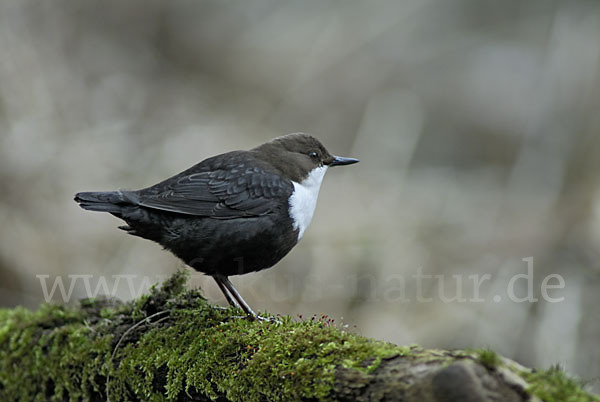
(226,191)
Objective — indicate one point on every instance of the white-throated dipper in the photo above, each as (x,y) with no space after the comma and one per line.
(231,214)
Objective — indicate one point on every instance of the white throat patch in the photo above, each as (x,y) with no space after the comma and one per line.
(304,199)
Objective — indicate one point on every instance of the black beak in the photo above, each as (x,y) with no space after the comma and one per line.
(341,161)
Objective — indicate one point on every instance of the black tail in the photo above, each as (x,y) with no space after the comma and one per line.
(105,201)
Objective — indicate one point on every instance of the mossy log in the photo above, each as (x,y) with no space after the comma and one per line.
(172,345)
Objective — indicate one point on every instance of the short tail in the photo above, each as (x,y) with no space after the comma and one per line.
(105,201)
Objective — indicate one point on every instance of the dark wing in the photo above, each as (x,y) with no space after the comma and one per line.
(227,191)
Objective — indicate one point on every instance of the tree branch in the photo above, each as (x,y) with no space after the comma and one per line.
(173,345)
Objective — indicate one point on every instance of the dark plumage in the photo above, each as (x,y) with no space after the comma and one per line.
(227,215)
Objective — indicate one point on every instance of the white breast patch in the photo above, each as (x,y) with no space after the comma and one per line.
(304,199)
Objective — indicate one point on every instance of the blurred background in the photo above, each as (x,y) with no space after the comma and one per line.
(477,124)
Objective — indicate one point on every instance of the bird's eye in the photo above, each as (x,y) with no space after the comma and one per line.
(313,154)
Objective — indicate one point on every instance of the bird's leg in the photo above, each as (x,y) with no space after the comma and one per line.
(230,300)
(238,298)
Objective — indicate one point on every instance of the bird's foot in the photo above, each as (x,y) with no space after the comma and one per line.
(267,319)
(256,317)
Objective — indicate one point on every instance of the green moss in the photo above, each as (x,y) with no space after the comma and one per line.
(488,358)
(208,353)
(172,345)
(554,385)
(47,353)
(62,353)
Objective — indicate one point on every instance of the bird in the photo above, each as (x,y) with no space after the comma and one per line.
(230,214)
